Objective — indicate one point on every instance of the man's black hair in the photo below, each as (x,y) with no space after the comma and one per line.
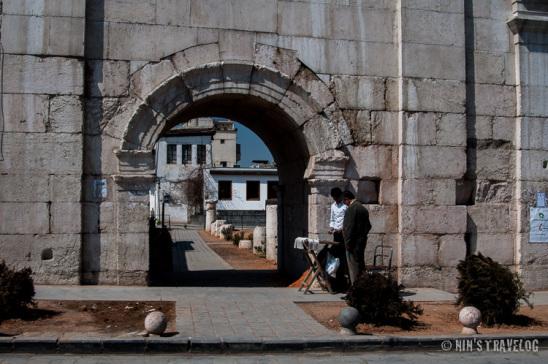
(349,195)
(336,192)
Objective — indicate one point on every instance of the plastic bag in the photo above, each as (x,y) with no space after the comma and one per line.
(332,264)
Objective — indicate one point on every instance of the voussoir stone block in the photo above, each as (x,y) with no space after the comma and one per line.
(150,77)
(196,56)
(109,78)
(284,60)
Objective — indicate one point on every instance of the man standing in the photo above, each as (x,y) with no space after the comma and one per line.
(356,225)
(338,209)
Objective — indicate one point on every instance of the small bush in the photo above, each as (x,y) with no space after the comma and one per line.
(260,251)
(16,291)
(237,237)
(491,288)
(379,301)
(227,233)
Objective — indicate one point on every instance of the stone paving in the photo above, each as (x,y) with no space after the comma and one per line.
(216,312)
(191,253)
(229,312)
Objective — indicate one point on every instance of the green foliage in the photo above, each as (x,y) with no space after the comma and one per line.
(260,251)
(490,287)
(237,237)
(227,233)
(16,291)
(379,301)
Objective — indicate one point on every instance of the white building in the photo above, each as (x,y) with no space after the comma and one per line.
(181,156)
(241,193)
(197,161)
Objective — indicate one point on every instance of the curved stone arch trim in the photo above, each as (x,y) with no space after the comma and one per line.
(160,90)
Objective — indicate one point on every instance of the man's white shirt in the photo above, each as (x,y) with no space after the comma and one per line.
(337,215)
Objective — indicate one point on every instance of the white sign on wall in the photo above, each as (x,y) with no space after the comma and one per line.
(100,188)
(538,232)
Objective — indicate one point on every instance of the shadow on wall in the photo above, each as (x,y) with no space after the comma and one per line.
(92,196)
(535,5)
(160,253)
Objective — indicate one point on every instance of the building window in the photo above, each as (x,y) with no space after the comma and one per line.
(172,154)
(253,190)
(225,190)
(272,189)
(186,151)
(222,141)
(223,164)
(201,157)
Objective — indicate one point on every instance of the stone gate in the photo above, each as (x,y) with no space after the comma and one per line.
(433,111)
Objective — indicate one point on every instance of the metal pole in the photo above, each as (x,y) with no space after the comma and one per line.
(163,211)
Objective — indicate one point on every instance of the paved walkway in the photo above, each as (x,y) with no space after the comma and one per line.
(228,312)
(262,313)
(191,253)
(196,264)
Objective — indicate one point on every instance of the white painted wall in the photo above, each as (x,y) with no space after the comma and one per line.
(179,170)
(238,201)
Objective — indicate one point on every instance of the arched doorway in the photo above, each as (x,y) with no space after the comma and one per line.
(280,99)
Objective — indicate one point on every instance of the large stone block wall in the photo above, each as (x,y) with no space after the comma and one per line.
(40,174)
(439,108)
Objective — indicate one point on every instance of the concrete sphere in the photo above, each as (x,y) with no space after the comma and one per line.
(155,323)
(470,318)
(348,318)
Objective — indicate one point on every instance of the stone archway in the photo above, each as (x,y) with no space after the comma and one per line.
(276,95)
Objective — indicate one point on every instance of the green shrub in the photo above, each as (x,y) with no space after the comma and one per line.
(16,291)
(237,237)
(260,251)
(490,287)
(379,301)
(227,233)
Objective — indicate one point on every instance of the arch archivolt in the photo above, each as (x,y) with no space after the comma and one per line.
(160,91)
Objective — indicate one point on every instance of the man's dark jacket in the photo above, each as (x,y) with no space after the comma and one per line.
(356,225)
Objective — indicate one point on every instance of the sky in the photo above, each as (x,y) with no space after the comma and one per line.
(252,147)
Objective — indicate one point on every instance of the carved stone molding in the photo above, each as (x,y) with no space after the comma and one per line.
(528,21)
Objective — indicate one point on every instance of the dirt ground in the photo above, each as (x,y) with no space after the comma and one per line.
(94,318)
(236,257)
(438,319)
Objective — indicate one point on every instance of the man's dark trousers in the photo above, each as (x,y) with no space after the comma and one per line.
(356,226)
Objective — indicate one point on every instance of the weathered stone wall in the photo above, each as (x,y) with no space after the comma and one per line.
(42,88)
(432,111)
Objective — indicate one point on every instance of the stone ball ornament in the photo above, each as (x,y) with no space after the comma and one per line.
(470,318)
(155,323)
(348,319)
